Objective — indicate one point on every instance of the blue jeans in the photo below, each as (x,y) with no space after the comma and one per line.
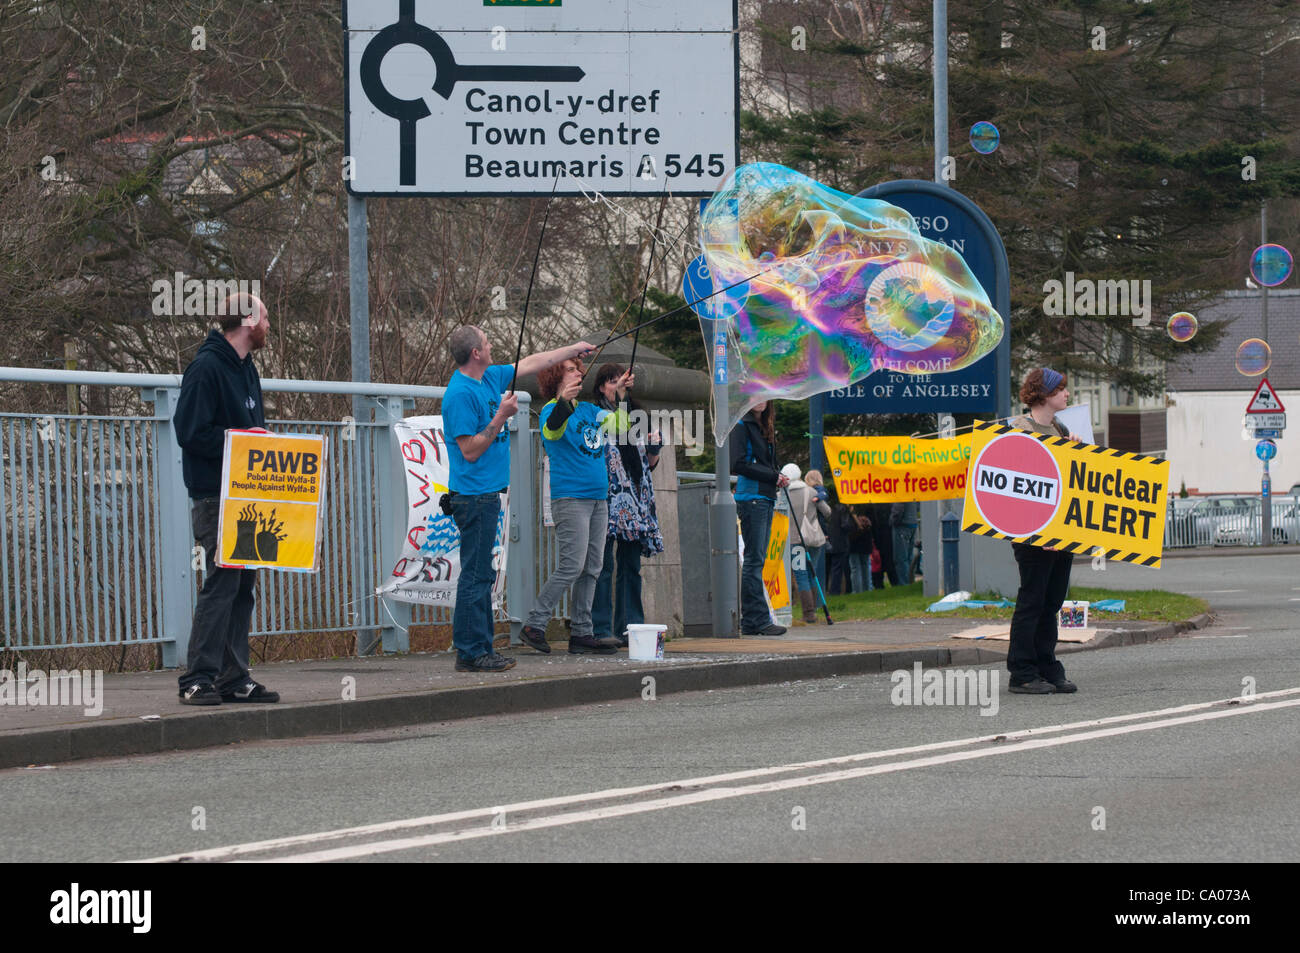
(618,594)
(860,569)
(812,557)
(755,527)
(472,627)
(904,537)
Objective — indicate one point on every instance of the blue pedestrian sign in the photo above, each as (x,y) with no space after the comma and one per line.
(697,283)
(1266,450)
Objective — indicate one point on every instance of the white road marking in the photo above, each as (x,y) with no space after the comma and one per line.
(237,850)
(769,787)
(1211,592)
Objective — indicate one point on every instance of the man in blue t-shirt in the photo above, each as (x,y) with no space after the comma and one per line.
(475,409)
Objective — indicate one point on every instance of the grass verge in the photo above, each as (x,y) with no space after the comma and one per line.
(908,602)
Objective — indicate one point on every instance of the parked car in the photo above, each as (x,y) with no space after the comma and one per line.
(1249,531)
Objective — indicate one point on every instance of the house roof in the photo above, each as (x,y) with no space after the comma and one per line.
(1217,370)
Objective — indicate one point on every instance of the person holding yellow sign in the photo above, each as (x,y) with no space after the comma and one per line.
(1044,571)
(220,391)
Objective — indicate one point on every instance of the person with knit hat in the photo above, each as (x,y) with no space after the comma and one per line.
(804,507)
(1044,570)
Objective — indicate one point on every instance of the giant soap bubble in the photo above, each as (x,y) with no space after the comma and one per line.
(845,286)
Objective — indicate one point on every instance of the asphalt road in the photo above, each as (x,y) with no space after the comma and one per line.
(1156,744)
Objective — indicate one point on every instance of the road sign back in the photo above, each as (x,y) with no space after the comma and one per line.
(1265,400)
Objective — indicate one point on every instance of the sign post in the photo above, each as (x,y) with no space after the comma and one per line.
(1265,417)
(724,569)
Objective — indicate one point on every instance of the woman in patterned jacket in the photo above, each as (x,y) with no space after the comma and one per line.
(633,523)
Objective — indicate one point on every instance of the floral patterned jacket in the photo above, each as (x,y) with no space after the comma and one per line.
(632,513)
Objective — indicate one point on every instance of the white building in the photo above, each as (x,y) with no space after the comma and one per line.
(1207,397)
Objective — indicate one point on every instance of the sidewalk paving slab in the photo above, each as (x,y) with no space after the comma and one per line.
(142,715)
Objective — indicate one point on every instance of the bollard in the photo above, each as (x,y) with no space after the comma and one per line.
(950,533)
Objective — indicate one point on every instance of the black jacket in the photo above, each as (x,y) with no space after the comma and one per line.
(219,392)
(762,469)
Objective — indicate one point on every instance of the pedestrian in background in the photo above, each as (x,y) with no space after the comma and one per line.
(804,509)
(815,480)
(220,391)
(752,446)
(861,546)
(1044,570)
(633,530)
(573,435)
(841,524)
(903,517)
(475,408)
(883,536)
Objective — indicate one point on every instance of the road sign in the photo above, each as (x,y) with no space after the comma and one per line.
(1258,421)
(1017,484)
(1266,450)
(1263,435)
(1265,400)
(697,284)
(617,96)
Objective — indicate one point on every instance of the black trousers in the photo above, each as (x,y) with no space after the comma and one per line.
(218,652)
(1044,583)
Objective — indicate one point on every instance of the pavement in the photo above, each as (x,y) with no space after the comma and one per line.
(141,713)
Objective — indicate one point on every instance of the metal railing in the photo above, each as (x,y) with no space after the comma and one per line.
(1230,521)
(96,545)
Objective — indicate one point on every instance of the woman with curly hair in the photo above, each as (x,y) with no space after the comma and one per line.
(1044,570)
(573,437)
(633,531)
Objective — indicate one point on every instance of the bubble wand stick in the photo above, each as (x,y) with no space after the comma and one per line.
(528,295)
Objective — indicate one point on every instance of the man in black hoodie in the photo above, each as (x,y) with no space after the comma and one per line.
(220,391)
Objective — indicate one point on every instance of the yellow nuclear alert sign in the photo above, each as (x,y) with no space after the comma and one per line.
(1074,497)
(272,495)
(774,578)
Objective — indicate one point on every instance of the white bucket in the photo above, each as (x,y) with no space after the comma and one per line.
(645,643)
(1074,615)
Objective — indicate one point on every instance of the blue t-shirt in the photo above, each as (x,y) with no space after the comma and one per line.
(578,454)
(468,406)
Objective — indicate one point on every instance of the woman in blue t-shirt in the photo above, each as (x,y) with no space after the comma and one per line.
(573,434)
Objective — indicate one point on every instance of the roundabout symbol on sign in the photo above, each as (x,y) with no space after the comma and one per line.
(1017,484)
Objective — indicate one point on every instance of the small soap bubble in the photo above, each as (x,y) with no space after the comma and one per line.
(984,137)
(1182,326)
(1270,265)
(1253,357)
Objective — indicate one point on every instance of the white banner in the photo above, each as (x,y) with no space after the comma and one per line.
(429,566)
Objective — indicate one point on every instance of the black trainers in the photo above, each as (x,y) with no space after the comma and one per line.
(1065,686)
(250,691)
(200,694)
(579,644)
(1038,686)
(488,662)
(535,638)
(770,630)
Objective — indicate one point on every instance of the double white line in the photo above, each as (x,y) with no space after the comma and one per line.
(550,812)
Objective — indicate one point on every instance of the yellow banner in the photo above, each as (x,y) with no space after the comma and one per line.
(778,586)
(1075,497)
(272,491)
(897,469)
